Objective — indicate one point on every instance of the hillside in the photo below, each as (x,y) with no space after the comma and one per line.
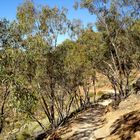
(96,123)
(65,75)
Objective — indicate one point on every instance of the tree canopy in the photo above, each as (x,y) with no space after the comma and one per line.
(40,78)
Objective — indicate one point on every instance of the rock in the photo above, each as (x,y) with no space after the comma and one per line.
(105,96)
(106,102)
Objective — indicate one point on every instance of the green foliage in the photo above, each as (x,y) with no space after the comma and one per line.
(26,15)
(24,135)
(23,99)
(114,22)
(48,22)
(38,77)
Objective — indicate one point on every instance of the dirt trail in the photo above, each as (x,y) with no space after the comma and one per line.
(94,124)
(83,126)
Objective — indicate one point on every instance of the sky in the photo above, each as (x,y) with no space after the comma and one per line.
(8,10)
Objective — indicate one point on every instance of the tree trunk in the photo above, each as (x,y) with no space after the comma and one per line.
(35,119)
(2,109)
(94,85)
(52,105)
(86,91)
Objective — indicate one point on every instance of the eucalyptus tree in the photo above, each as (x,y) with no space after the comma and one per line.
(134,37)
(3,43)
(115,19)
(91,44)
(9,65)
(40,29)
(53,23)
(72,69)
(77,69)
(75,29)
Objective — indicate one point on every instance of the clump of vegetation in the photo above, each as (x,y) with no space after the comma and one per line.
(41,79)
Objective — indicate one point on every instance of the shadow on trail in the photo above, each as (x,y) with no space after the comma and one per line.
(126,126)
(87,122)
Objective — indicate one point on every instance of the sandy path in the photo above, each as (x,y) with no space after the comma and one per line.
(93,123)
(84,125)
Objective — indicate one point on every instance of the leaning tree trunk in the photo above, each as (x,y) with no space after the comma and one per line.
(2,109)
(94,86)
(86,91)
(52,106)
